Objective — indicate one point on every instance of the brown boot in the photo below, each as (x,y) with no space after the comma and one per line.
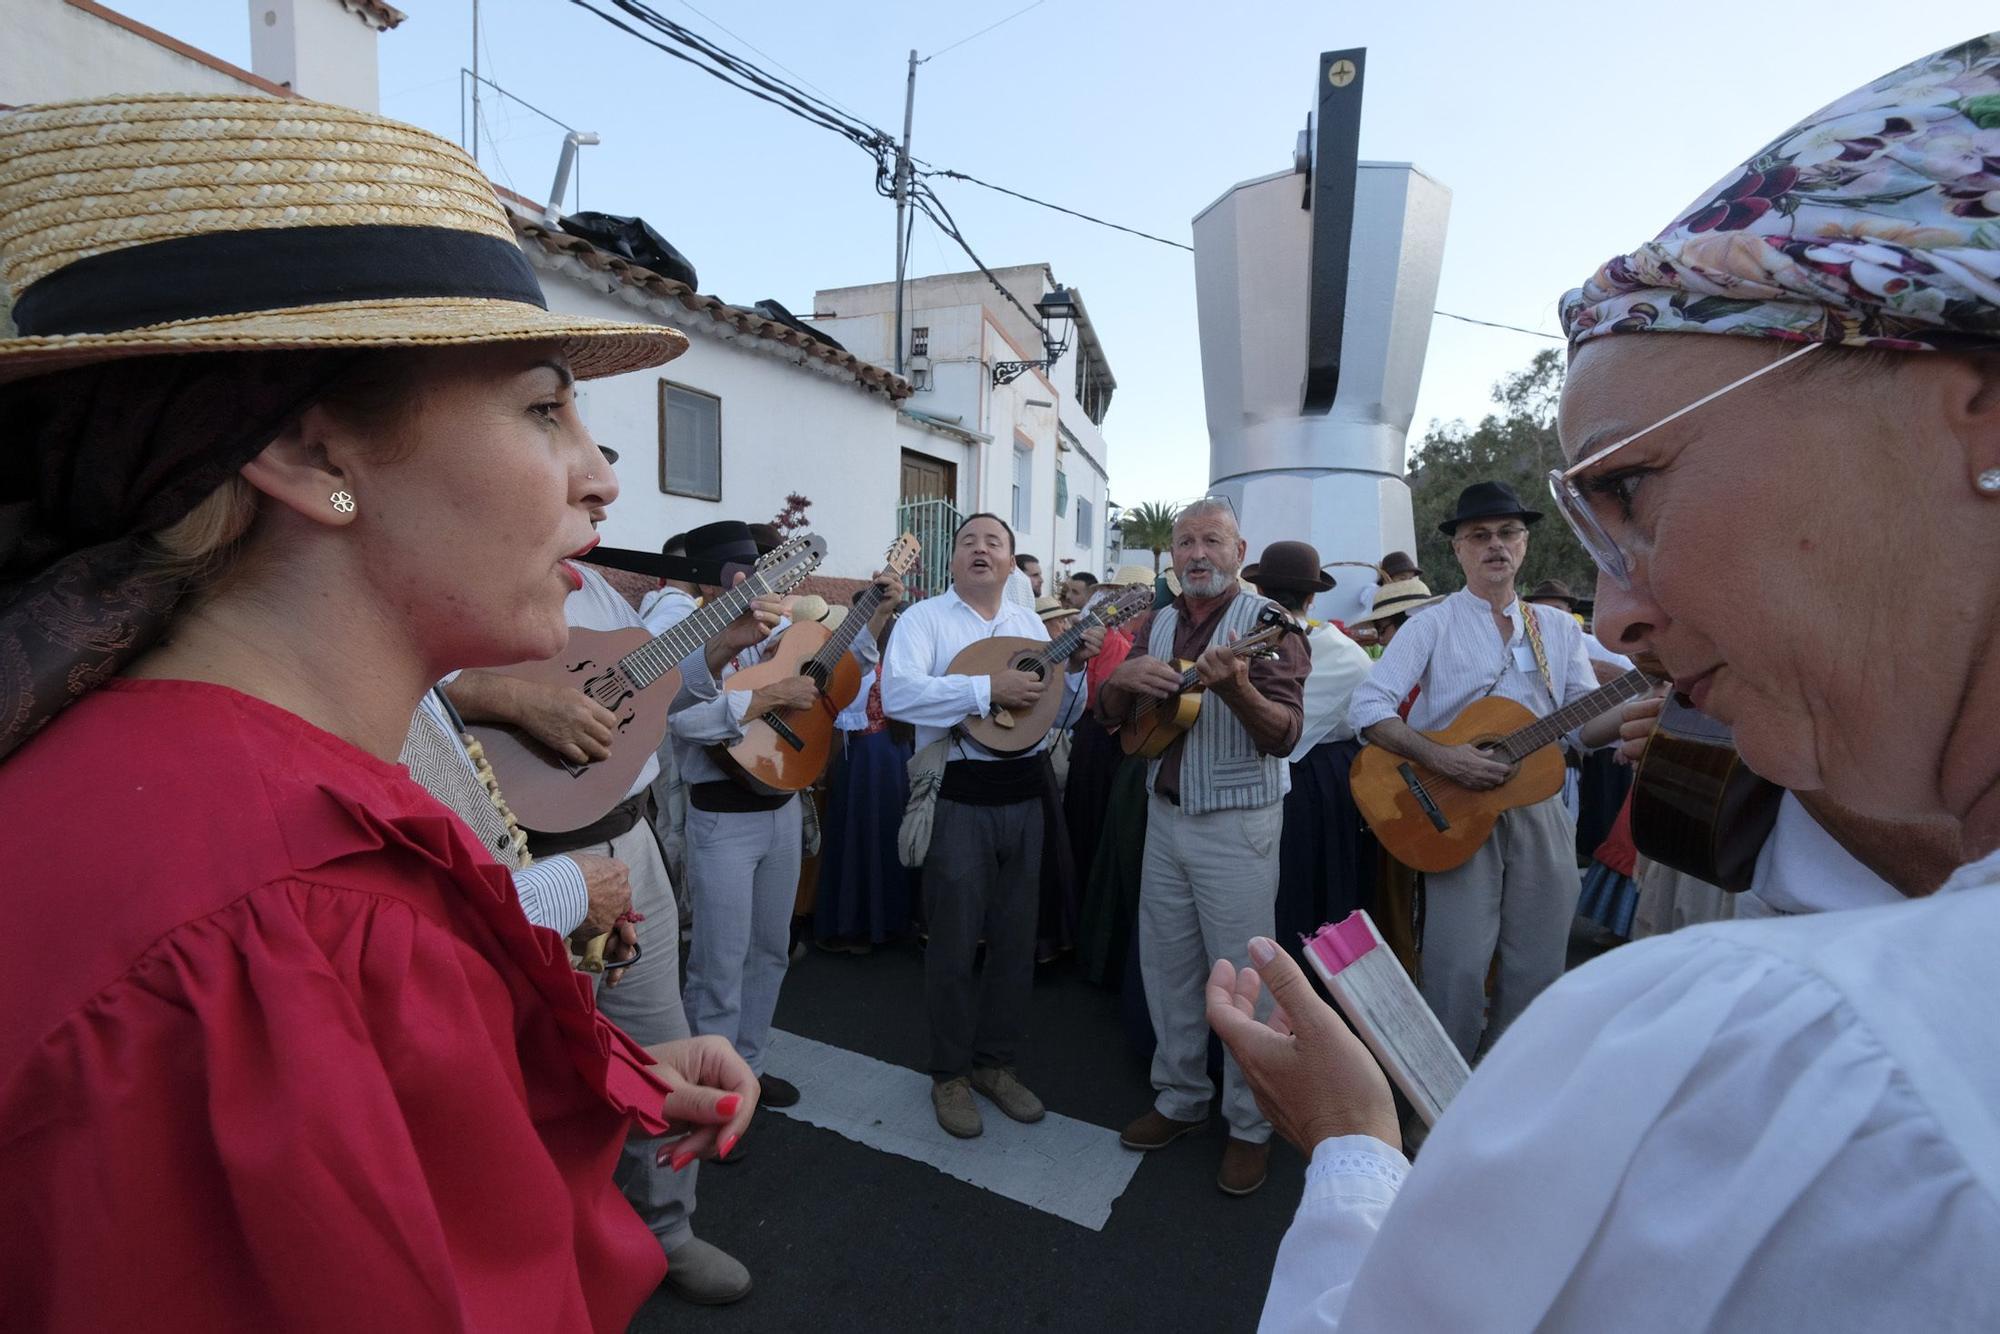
(1244,1166)
(1154,1131)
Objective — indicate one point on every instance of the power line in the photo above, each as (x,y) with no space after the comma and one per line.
(982,32)
(1117,227)
(773,59)
(1494,324)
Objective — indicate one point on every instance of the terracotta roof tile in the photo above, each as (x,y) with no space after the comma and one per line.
(740,318)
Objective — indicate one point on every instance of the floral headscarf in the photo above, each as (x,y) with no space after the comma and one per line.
(1874,222)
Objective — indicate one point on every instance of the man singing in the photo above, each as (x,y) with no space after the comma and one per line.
(983,868)
(1210,877)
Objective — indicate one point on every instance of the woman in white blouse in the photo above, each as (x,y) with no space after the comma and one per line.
(1788,1124)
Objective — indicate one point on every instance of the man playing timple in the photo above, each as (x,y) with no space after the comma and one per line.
(1210,878)
(1520,889)
(982,872)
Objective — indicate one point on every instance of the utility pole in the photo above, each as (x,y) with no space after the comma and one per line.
(902,202)
(475,82)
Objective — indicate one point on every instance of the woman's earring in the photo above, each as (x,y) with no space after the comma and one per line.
(342,502)
(1989,482)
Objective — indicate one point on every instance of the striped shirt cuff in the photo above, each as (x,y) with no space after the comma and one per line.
(553,894)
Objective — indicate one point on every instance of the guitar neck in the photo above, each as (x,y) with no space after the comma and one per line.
(862,612)
(1519,745)
(1191,678)
(653,660)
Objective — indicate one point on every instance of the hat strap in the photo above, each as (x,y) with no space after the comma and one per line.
(271,268)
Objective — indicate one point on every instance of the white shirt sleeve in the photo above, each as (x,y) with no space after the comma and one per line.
(1339,665)
(553,894)
(1692,1133)
(713,722)
(1395,674)
(911,693)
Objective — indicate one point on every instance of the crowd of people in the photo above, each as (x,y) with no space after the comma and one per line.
(307,1029)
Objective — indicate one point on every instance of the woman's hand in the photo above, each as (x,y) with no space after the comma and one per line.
(711,1096)
(1312,1076)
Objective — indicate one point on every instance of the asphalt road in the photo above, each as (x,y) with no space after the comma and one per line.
(841,1237)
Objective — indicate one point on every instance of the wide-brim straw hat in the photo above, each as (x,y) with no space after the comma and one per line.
(1133,576)
(138,225)
(1400,597)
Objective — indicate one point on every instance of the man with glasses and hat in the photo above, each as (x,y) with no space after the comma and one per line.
(1519,891)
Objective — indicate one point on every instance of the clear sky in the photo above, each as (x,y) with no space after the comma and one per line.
(1567,132)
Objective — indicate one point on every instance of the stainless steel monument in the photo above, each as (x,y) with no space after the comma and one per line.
(1315,289)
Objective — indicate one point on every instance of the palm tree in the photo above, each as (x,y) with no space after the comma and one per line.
(1151,526)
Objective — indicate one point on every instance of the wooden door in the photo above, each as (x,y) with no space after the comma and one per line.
(926,478)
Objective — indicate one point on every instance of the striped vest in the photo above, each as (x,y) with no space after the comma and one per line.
(1221,769)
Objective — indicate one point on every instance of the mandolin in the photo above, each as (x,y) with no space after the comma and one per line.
(1696,807)
(1428,822)
(634,674)
(1152,724)
(786,751)
(1013,731)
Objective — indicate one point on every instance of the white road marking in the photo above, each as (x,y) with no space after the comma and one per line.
(1062,1166)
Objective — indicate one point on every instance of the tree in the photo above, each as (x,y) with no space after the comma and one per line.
(1517,446)
(1150,527)
(792,518)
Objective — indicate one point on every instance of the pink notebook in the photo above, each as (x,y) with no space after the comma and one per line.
(1388,1012)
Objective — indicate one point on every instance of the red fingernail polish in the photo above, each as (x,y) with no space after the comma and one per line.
(680,1160)
(727,1145)
(726,1107)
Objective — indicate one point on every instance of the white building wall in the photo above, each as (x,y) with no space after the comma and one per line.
(317,48)
(785,427)
(54,52)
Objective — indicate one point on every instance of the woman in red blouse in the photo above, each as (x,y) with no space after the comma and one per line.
(292,436)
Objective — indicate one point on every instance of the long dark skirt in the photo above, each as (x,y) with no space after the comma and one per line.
(1326,856)
(1111,895)
(1094,760)
(1601,784)
(864,891)
(1055,924)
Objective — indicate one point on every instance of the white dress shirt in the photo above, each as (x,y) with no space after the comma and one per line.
(664,608)
(1338,666)
(1785,1124)
(1455,653)
(916,688)
(705,715)
(599,606)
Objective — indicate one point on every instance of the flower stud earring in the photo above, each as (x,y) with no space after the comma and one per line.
(342,502)
(1989,482)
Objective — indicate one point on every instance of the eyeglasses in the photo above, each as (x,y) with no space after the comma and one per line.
(1577,512)
(1479,537)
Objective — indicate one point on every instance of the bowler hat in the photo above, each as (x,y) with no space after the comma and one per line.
(1488,500)
(1291,566)
(1398,565)
(1553,590)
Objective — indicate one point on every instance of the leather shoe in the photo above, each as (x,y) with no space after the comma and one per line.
(1009,1094)
(1156,1131)
(956,1111)
(1244,1166)
(706,1275)
(776,1092)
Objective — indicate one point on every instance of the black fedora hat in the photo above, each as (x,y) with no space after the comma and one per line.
(706,555)
(766,536)
(1488,500)
(1292,566)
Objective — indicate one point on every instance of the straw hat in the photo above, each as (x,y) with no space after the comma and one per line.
(1398,598)
(1132,576)
(139,225)
(1050,608)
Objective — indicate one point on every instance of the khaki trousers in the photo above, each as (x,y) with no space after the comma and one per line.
(1518,892)
(1209,883)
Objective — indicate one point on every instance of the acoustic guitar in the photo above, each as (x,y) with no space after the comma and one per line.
(636,675)
(1430,823)
(787,750)
(1152,724)
(1014,731)
(1696,807)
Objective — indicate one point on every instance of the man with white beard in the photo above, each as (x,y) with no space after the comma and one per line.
(1210,877)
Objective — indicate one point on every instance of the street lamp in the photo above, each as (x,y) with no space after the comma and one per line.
(1058,312)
